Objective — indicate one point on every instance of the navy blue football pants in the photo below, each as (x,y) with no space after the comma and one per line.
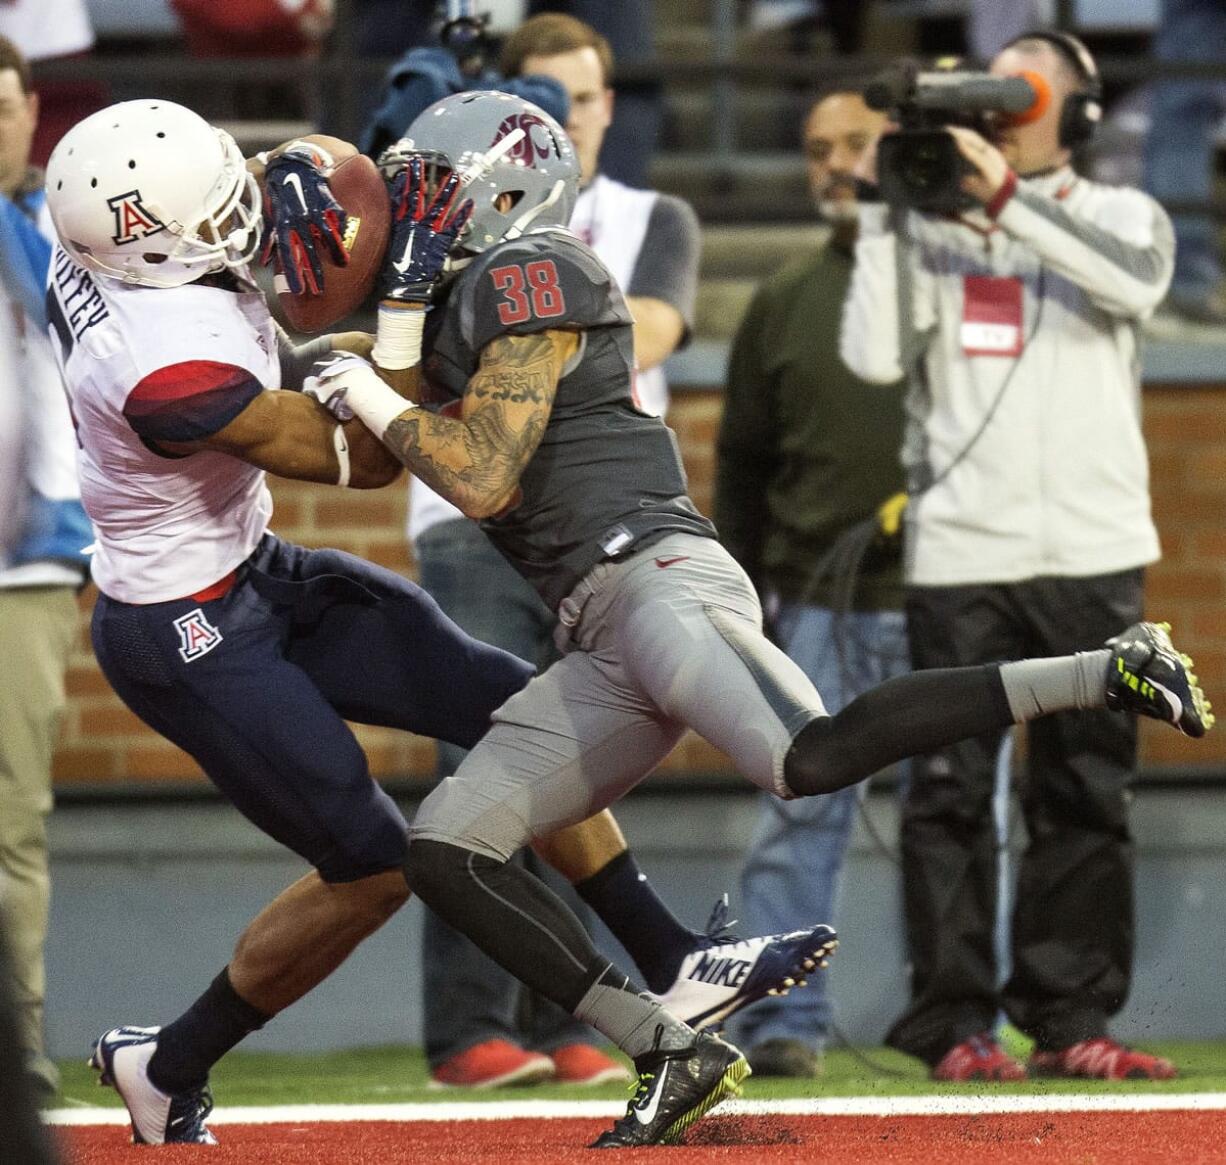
(256,685)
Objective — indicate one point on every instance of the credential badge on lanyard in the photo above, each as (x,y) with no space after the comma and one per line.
(991,315)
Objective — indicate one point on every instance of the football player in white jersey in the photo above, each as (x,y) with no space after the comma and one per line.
(244,650)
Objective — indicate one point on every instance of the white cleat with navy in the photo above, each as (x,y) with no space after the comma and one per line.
(725,973)
(122,1056)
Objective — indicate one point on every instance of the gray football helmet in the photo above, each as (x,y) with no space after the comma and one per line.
(499,144)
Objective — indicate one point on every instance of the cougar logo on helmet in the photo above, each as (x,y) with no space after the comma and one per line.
(133,220)
(537,142)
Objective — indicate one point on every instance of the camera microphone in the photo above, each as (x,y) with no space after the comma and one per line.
(974,93)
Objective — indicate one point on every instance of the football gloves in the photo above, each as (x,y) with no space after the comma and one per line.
(424,230)
(320,383)
(301,211)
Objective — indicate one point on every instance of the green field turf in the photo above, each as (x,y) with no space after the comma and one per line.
(392,1075)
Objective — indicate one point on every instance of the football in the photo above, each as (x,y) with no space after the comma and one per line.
(358,186)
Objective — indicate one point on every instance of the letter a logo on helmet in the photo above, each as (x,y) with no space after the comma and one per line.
(133,220)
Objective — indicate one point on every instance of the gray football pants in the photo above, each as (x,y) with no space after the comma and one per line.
(670,638)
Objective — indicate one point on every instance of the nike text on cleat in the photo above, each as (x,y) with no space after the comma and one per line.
(675,1088)
(725,973)
(1148,677)
(121,1058)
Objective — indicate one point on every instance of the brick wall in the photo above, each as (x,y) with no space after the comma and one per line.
(1186,428)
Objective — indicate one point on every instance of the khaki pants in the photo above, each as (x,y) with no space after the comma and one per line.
(37,628)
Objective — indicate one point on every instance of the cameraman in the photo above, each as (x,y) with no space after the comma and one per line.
(1027,534)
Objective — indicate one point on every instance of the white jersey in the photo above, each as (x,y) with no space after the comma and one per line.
(144,365)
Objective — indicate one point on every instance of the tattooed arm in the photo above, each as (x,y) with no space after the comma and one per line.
(475,460)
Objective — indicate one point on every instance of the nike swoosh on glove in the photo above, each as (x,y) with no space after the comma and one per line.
(300,210)
(425,228)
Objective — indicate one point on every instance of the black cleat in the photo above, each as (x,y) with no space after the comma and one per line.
(675,1089)
(1148,677)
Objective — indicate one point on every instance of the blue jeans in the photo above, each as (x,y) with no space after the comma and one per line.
(467,997)
(1179,149)
(795,862)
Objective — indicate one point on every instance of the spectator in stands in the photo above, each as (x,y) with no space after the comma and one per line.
(259,28)
(392,27)
(807,454)
(42,30)
(229,28)
(1028,532)
(650,242)
(46,567)
(1185,116)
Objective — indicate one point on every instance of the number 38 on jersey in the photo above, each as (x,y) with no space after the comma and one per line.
(529,290)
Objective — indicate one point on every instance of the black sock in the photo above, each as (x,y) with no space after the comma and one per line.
(205,1032)
(626,903)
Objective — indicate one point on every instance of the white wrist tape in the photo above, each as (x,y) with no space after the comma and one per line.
(373,403)
(398,338)
(341,445)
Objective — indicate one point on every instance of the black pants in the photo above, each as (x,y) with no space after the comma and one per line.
(1072,932)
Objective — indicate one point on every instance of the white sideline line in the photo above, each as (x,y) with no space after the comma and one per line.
(831,1106)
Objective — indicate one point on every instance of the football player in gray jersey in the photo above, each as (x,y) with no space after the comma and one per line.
(529,348)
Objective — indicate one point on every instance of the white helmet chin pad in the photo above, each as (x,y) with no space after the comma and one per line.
(148,192)
(500,144)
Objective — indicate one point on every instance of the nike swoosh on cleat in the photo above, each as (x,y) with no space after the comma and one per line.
(647,1114)
(296,182)
(676,558)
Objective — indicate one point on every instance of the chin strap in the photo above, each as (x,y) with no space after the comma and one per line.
(522,223)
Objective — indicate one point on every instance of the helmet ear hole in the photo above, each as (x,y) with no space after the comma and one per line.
(508,200)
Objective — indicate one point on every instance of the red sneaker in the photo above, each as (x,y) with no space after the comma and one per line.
(979,1058)
(492,1064)
(1102,1059)
(584,1064)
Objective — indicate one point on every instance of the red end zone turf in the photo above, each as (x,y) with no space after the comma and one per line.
(1032,1138)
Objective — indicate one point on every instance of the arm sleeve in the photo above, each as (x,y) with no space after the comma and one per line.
(1123,259)
(188,401)
(746,447)
(532,286)
(870,335)
(296,359)
(667,266)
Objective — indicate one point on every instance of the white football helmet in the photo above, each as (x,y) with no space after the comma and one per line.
(148,192)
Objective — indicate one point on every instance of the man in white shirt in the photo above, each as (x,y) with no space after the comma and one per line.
(1028,532)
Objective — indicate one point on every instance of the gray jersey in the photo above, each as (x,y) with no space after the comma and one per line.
(606,475)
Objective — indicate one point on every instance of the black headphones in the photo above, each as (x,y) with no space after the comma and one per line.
(1083,110)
